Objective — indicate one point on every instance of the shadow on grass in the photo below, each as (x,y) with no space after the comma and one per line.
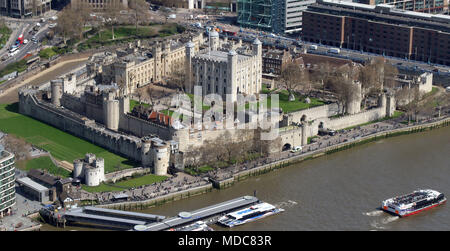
(13,107)
(130,163)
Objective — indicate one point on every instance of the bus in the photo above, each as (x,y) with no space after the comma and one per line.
(229,33)
(20,39)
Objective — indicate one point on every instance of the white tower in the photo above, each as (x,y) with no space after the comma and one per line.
(232,74)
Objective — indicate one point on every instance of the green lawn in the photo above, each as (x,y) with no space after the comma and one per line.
(47,53)
(45,163)
(5,33)
(130,183)
(284,103)
(129,34)
(61,145)
(202,169)
(134,103)
(18,66)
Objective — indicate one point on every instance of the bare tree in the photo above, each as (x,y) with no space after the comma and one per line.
(293,76)
(68,23)
(140,8)
(342,87)
(112,12)
(178,76)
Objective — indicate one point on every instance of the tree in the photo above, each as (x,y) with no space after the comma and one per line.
(140,8)
(343,88)
(166,13)
(293,76)
(112,12)
(177,76)
(83,9)
(68,24)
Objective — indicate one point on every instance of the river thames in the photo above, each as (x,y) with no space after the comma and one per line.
(342,191)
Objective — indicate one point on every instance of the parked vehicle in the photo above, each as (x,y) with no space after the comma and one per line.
(312,47)
(334,50)
(296,149)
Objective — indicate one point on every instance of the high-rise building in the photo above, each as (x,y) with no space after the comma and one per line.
(7,180)
(279,16)
(380,29)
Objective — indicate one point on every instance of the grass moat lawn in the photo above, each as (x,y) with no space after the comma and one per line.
(126,184)
(62,145)
(129,33)
(43,163)
(283,101)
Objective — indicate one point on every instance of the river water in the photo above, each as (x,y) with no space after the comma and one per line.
(342,191)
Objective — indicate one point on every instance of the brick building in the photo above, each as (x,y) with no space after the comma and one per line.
(379,29)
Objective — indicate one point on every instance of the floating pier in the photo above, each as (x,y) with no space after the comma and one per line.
(185,218)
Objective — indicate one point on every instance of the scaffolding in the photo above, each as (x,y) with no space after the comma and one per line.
(256,14)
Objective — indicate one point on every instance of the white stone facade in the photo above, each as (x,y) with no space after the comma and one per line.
(90,169)
(222,72)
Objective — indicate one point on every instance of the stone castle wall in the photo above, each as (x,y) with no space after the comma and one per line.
(81,127)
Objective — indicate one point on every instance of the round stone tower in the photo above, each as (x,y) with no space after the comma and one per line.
(354,103)
(100,165)
(57,91)
(257,47)
(190,47)
(77,169)
(232,74)
(111,114)
(161,158)
(146,157)
(214,40)
(89,158)
(304,136)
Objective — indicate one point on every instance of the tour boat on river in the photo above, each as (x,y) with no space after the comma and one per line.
(414,202)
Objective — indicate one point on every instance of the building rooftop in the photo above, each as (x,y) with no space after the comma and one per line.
(384,13)
(30,183)
(45,177)
(221,56)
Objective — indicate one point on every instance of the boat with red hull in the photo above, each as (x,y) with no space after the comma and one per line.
(413,203)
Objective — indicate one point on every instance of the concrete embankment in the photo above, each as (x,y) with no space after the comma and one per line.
(139,205)
(241,175)
(221,184)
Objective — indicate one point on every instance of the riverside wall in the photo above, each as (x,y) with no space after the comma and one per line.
(222,184)
(139,205)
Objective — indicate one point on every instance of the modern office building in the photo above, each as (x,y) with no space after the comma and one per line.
(7,182)
(278,16)
(24,8)
(99,4)
(428,6)
(379,29)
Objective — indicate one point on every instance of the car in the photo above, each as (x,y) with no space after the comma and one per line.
(312,47)
(296,149)
(25,41)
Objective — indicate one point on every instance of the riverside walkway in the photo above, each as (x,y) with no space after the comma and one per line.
(324,144)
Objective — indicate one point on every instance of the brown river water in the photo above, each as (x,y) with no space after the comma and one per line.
(342,191)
